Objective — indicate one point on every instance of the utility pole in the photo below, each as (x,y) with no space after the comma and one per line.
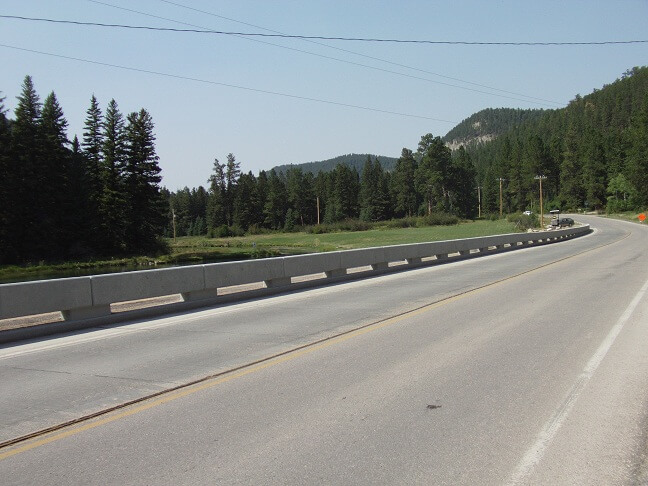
(540,178)
(501,204)
(318,211)
(479,200)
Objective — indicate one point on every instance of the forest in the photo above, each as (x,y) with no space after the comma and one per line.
(101,196)
(593,153)
(65,200)
(430,181)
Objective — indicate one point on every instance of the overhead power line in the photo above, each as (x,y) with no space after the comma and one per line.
(516,96)
(373,58)
(318,37)
(227,85)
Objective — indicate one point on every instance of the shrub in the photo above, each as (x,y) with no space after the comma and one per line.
(353,225)
(522,221)
(408,222)
(346,225)
(255,229)
(440,219)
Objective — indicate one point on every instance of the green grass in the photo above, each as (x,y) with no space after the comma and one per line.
(198,249)
(290,243)
(632,216)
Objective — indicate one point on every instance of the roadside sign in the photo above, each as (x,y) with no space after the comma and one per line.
(642,217)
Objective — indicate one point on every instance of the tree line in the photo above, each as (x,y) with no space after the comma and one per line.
(62,199)
(593,153)
(101,196)
(430,180)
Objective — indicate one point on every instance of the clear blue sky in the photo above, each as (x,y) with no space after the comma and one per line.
(196,122)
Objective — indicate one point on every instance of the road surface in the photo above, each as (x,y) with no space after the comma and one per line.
(524,367)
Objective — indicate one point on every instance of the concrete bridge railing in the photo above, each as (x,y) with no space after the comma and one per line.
(82,298)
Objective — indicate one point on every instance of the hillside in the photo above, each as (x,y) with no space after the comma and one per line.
(488,124)
(592,152)
(356,161)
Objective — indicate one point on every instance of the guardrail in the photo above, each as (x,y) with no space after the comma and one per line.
(83,298)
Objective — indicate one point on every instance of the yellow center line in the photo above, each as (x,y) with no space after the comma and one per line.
(175,395)
(47,437)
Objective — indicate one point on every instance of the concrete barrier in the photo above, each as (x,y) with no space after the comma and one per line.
(21,299)
(83,298)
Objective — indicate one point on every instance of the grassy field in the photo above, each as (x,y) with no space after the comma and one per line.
(186,250)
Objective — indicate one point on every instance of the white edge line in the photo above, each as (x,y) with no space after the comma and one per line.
(534,455)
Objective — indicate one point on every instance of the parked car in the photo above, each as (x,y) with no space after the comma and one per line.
(527,213)
(566,222)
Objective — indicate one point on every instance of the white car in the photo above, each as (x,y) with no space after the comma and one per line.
(527,213)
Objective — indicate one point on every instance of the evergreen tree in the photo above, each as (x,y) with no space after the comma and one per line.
(403,185)
(232,174)
(300,195)
(594,173)
(23,182)
(461,195)
(198,210)
(216,208)
(145,207)
(637,160)
(274,209)
(571,178)
(5,205)
(374,197)
(54,238)
(432,173)
(262,192)
(344,199)
(75,204)
(92,149)
(246,201)
(111,235)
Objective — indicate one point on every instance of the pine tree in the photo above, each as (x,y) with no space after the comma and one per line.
(246,201)
(300,195)
(432,173)
(262,191)
(216,209)
(55,235)
(403,185)
(232,174)
(344,200)
(374,198)
(110,238)
(145,206)
(637,160)
(22,183)
(75,203)
(594,173)
(461,183)
(571,177)
(5,205)
(92,150)
(274,209)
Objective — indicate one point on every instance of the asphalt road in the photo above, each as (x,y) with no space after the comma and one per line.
(524,367)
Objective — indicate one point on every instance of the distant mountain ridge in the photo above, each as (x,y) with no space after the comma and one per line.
(356,161)
(481,127)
